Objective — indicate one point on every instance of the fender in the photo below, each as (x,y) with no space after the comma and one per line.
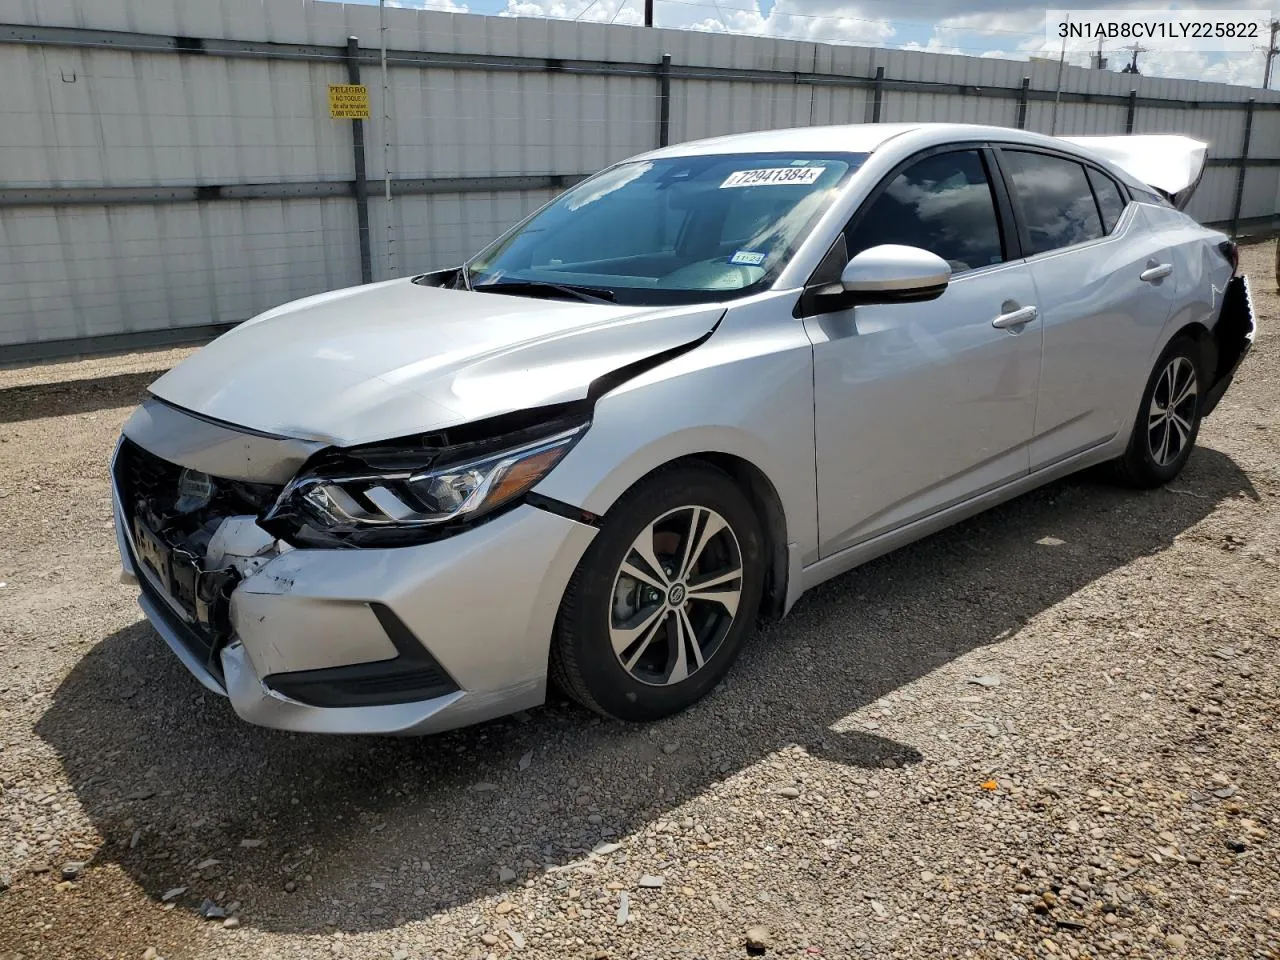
(745,393)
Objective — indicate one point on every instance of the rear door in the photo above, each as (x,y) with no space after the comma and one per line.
(919,406)
(1104,288)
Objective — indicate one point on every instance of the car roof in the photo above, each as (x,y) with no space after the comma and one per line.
(859,138)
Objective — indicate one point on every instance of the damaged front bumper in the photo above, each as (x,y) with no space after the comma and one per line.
(404,640)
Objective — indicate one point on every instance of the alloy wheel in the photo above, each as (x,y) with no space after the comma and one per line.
(1171,417)
(675,595)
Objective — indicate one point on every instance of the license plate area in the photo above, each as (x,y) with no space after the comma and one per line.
(175,573)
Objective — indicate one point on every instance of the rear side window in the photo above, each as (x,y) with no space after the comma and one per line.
(1055,198)
(942,204)
(1110,200)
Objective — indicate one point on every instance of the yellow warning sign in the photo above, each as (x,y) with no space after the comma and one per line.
(348,101)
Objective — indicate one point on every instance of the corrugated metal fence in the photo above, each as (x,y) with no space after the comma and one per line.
(168,167)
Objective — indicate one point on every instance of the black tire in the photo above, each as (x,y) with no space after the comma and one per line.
(1145,463)
(583,662)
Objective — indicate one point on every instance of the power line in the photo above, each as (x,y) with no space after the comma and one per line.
(868,41)
(622,5)
(872,20)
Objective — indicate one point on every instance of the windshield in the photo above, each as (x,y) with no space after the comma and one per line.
(677,230)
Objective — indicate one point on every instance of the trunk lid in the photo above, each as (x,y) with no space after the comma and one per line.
(1171,164)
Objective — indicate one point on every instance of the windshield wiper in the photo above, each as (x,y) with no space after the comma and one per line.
(587,294)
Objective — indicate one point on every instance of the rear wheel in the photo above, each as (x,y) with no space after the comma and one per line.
(1168,420)
(658,608)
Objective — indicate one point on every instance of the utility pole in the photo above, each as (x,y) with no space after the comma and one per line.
(1133,64)
(1099,61)
(648,15)
(1271,55)
(384,128)
(1057,93)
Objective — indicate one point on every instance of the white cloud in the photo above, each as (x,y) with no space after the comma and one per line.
(819,20)
(442,6)
(630,12)
(1016,34)
(975,28)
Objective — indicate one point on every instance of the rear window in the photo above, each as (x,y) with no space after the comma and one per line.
(1055,198)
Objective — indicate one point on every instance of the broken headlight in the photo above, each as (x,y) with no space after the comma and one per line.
(340,504)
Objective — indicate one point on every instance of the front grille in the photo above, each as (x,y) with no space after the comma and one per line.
(168,545)
(142,476)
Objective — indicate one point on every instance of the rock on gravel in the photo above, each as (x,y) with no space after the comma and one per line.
(757,938)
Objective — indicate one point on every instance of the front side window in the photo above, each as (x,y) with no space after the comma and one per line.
(675,230)
(1056,201)
(942,204)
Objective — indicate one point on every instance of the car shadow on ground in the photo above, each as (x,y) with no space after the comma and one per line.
(71,397)
(363,833)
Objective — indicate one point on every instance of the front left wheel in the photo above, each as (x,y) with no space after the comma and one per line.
(660,604)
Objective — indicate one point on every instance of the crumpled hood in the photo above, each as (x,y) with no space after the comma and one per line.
(397,358)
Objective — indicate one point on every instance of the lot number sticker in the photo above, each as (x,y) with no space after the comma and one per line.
(773,175)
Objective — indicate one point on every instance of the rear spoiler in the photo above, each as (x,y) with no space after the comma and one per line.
(1172,165)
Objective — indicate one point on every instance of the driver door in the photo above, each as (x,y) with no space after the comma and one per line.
(921,406)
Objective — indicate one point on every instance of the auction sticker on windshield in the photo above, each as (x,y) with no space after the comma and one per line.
(773,175)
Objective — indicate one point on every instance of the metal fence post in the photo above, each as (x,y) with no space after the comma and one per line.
(664,100)
(1244,166)
(361,184)
(1022,103)
(1133,111)
(877,95)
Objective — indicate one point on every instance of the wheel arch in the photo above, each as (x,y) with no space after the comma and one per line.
(1198,332)
(762,494)
(1204,338)
(764,498)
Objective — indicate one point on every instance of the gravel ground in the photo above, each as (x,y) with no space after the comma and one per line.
(1050,731)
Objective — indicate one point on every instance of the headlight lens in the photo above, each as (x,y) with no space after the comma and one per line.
(332,506)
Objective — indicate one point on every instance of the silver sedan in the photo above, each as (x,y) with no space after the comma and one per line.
(665,405)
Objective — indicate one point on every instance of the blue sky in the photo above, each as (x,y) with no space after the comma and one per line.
(970,27)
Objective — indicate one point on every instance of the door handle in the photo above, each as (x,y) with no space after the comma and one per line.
(1158,272)
(1015,318)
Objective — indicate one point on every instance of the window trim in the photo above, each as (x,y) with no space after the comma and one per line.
(1089,171)
(1010,239)
(999,149)
(815,298)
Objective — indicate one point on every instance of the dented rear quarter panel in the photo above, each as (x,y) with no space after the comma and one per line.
(1200,271)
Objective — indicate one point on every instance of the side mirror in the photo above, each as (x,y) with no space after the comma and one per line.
(891,273)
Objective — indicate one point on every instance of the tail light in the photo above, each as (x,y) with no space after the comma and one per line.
(1231,252)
